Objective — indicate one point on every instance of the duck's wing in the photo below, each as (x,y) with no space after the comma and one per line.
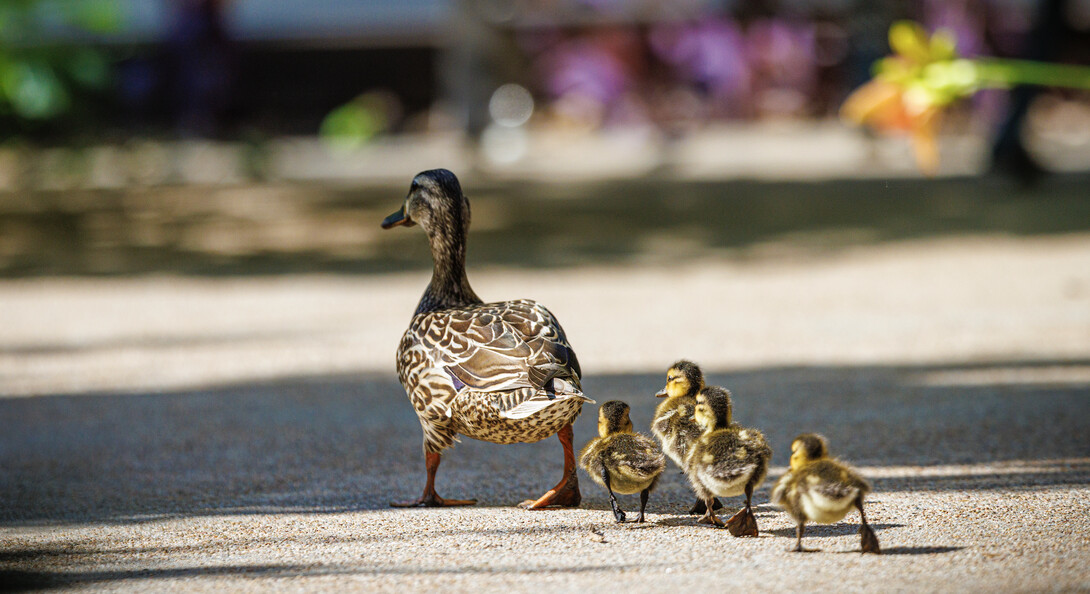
(516,347)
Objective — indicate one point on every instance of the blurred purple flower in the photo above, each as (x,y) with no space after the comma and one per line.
(584,67)
(711,54)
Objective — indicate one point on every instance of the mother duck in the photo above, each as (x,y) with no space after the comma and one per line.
(500,372)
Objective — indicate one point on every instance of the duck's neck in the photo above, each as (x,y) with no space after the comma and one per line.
(449,286)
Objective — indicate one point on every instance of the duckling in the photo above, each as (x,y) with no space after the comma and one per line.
(726,460)
(621,460)
(821,489)
(673,424)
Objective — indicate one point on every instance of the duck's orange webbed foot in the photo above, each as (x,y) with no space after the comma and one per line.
(430,498)
(433,500)
(566,492)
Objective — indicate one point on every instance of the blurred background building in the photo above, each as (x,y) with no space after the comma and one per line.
(259,135)
(240,69)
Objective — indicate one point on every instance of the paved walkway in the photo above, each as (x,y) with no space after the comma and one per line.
(247,434)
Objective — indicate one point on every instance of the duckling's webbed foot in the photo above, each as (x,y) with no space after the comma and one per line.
(700,508)
(618,514)
(743,523)
(868,542)
(710,516)
(799,529)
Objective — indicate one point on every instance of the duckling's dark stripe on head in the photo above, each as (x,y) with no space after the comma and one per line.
(814,446)
(718,400)
(691,371)
(614,412)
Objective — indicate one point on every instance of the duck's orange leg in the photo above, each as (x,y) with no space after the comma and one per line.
(566,492)
(430,498)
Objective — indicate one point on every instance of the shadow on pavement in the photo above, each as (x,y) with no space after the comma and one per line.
(290,228)
(348,443)
(19,581)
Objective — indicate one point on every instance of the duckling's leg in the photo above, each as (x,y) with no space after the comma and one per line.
(744,523)
(430,498)
(799,529)
(867,540)
(710,516)
(700,508)
(643,503)
(566,492)
(617,513)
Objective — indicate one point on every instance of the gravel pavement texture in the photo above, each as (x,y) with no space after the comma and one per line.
(248,434)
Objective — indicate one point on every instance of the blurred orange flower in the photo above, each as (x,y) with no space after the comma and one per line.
(881,105)
(911,88)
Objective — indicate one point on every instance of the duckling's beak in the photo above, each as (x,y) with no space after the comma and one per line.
(661,393)
(398,218)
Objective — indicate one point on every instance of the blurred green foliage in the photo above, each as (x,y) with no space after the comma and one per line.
(360,120)
(48,55)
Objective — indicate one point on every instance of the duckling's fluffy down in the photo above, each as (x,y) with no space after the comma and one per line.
(634,461)
(675,427)
(822,492)
(722,462)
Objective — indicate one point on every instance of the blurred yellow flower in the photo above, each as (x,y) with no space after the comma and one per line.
(911,88)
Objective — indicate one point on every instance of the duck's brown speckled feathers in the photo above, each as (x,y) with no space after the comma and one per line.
(499,372)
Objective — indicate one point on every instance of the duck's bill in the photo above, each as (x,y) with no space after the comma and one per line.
(399,218)
(661,393)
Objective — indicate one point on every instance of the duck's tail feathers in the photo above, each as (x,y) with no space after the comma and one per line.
(538,403)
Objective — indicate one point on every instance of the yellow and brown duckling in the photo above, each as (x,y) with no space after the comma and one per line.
(673,424)
(620,459)
(821,489)
(727,460)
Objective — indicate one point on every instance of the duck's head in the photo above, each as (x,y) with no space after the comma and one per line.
(713,408)
(613,418)
(807,448)
(684,378)
(436,203)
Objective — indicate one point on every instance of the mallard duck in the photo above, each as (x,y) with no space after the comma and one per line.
(819,489)
(726,460)
(621,460)
(500,372)
(673,424)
